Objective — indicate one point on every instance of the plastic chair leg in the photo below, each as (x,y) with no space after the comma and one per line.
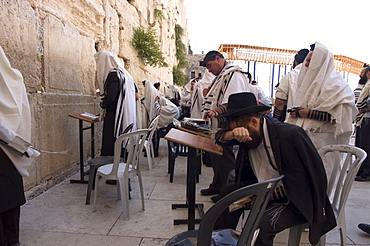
(91,183)
(123,186)
(141,190)
(295,235)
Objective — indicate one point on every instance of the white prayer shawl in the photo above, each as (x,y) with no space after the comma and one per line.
(197,99)
(107,62)
(172,90)
(323,89)
(288,87)
(149,101)
(126,105)
(14,110)
(186,95)
(168,112)
(361,102)
(232,79)
(260,92)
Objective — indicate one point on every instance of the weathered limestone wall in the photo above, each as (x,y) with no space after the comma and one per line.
(53,42)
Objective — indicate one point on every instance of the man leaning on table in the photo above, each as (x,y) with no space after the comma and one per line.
(269,148)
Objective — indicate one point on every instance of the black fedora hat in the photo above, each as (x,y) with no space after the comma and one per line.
(242,103)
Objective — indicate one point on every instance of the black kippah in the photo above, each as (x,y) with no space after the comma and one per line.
(301,55)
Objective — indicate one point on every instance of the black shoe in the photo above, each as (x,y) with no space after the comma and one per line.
(362,178)
(216,198)
(209,191)
(111,182)
(364,227)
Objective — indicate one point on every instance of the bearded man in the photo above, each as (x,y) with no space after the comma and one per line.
(363,124)
(269,148)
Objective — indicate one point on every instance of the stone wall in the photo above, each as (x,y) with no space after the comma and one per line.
(53,42)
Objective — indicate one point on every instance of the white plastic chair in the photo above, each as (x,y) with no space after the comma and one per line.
(148,143)
(348,160)
(121,171)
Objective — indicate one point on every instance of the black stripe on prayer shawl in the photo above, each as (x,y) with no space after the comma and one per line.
(195,99)
(120,104)
(223,89)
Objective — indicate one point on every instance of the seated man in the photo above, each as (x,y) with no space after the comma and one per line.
(267,149)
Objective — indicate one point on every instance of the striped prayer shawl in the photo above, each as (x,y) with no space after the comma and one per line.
(120,112)
(361,103)
(218,87)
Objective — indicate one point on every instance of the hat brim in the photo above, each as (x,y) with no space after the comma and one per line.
(244,111)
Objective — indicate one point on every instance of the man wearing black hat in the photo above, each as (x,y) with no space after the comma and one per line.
(269,148)
(229,79)
(287,86)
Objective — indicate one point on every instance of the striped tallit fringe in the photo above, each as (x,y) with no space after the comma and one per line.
(120,104)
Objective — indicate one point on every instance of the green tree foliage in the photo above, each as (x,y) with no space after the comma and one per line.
(179,78)
(158,14)
(180,47)
(145,43)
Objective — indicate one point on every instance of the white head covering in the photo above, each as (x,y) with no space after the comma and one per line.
(150,94)
(105,62)
(321,88)
(14,110)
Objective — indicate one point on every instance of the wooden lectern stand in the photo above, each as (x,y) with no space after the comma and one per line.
(193,142)
(81,119)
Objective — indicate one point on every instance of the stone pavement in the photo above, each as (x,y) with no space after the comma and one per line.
(59,216)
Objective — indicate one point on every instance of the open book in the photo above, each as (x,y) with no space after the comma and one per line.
(245,202)
(90,116)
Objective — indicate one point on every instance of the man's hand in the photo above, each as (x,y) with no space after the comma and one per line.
(239,133)
(209,114)
(205,91)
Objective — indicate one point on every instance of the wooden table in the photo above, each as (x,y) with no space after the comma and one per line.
(81,119)
(193,142)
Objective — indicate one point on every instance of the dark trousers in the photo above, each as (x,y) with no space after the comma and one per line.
(9,227)
(363,142)
(276,218)
(222,165)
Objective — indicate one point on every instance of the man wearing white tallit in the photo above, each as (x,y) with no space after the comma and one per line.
(156,104)
(197,99)
(288,86)
(15,124)
(324,104)
(118,99)
(229,79)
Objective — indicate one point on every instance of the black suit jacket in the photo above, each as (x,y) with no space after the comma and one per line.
(304,179)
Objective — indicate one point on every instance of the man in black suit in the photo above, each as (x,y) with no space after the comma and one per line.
(269,148)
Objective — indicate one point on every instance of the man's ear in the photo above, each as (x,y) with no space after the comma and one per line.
(254,122)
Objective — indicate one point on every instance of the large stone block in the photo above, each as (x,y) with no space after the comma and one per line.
(19,31)
(58,133)
(62,55)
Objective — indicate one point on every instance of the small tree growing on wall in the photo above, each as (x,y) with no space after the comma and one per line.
(145,43)
(179,76)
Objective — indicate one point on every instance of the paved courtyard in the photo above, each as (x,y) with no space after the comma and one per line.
(59,216)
